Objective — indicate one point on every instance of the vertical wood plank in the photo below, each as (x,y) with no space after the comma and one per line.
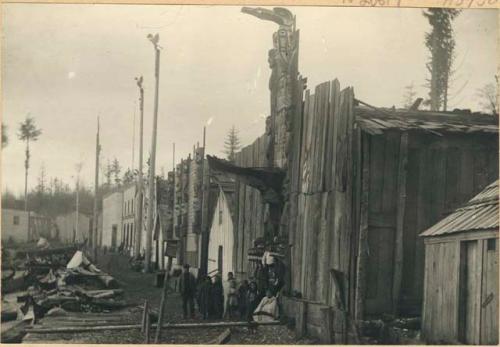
(400,215)
(363,231)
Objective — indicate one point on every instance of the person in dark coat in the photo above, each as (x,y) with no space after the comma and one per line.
(187,286)
(261,278)
(204,297)
(217,297)
(242,299)
(253,299)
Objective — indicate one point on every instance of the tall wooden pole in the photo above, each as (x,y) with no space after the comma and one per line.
(77,208)
(140,183)
(151,205)
(77,214)
(204,210)
(96,192)
(169,264)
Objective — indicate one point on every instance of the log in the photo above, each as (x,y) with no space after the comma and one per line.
(145,313)
(14,332)
(147,328)
(35,330)
(223,338)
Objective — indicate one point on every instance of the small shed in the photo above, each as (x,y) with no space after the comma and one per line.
(461,274)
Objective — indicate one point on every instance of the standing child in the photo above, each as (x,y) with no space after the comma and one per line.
(232,300)
(242,299)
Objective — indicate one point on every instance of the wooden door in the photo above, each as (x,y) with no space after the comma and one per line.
(472,293)
(489,293)
(219,260)
(113,236)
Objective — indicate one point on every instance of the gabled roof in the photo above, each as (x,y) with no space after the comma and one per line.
(480,213)
(377,120)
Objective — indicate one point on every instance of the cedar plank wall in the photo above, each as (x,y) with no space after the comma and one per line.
(443,172)
(250,216)
(323,219)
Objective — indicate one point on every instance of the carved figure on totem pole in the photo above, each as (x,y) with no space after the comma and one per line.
(283,62)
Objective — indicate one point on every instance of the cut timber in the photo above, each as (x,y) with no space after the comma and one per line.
(13,332)
(400,210)
(145,312)
(363,231)
(36,330)
(222,338)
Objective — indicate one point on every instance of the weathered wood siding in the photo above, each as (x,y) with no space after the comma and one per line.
(250,209)
(442,172)
(442,263)
(321,222)
(461,289)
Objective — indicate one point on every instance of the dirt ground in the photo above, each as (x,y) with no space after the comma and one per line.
(139,287)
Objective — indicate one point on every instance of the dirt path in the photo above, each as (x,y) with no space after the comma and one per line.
(139,287)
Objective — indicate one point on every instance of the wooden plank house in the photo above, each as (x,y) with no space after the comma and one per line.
(363,183)
(461,274)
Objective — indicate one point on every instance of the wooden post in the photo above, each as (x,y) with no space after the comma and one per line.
(148,328)
(93,237)
(152,202)
(145,313)
(162,308)
(327,326)
(140,184)
(301,319)
(204,211)
(363,231)
(400,214)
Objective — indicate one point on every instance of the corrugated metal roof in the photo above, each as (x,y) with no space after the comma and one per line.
(480,213)
(375,121)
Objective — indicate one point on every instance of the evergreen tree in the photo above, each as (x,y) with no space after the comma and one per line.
(440,42)
(231,144)
(128,176)
(116,169)
(28,132)
(409,95)
(5,136)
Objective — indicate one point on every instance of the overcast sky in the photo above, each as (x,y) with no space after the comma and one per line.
(67,64)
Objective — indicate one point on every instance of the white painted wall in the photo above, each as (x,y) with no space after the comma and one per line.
(19,231)
(112,205)
(128,215)
(221,234)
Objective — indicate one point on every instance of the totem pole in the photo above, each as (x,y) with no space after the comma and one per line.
(285,105)
(283,61)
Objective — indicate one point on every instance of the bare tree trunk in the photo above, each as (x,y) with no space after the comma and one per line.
(26,167)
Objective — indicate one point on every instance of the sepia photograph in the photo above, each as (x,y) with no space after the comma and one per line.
(223,174)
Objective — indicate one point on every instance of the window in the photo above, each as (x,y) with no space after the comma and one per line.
(492,244)
(220,216)
(16,220)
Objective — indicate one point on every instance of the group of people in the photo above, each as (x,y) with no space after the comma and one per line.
(244,301)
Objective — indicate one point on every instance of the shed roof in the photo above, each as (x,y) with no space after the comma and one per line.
(480,213)
(377,120)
